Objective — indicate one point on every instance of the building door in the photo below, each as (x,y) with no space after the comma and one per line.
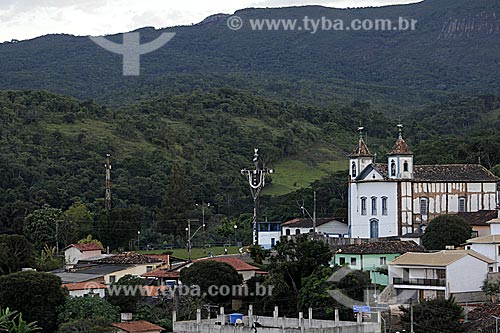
(273,242)
(374,228)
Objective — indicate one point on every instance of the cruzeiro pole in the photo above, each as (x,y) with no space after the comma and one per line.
(257,180)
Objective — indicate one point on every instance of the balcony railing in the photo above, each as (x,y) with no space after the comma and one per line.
(421,282)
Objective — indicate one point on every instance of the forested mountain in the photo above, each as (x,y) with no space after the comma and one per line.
(454,49)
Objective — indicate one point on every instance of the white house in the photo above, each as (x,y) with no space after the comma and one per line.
(399,198)
(326,226)
(269,234)
(458,273)
(75,252)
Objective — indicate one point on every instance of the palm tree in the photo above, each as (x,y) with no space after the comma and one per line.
(13,322)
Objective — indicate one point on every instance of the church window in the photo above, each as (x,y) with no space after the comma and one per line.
(384,205)
(363,206)
(297,231)
(462,204)
(354,169)
(424,206)
(374,205)
(393,169)
(405,166)
(287,232)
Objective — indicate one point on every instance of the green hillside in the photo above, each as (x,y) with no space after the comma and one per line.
(453,50)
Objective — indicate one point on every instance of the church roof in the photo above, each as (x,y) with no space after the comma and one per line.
(444,173)
(400,148)
(361,150)
(479,218)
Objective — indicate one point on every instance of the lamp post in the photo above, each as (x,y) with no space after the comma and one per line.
(235,239)
(313,217)
(257,181)
(203,219)
(138,235)
(188,239)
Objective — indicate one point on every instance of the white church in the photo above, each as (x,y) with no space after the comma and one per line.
(400,198)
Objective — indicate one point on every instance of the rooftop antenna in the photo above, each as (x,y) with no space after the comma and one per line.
(107,203)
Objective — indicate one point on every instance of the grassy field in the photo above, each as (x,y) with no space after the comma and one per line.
(291,175)
(196,253)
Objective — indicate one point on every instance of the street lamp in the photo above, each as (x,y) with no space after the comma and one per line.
(138,235)
(203,219)
(235,239)
(257,181)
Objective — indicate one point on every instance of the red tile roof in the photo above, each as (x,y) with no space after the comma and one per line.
(236,263)
(163,273)
(86,247)
(400,148)
(479,218)
(307,222)
(138,326)
(83,286)
(161,257)
(361,150)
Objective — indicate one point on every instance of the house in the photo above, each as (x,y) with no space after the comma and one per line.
(398,198)
(269,233)
(495,224)
(488,246)
(479,221)
(246,270)
(372,257)
(108,269)
(162,278)
(81,289)
(140,326)
(76,252)
(457,273)
(329,227)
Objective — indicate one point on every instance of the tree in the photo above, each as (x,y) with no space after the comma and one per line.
(15,253)
(299,258)
(207,273)
(446,230)
(437,315)
(13,322)
(177,203)
(95,325)
(40,226)
(47,260)
(90,240)
(36,295)
(258,253)
(77,223)
(127,292)
(91,308)
(491,289)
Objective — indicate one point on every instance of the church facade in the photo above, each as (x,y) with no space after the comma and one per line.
(398,197)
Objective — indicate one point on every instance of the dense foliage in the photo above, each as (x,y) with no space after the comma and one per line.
(446,230)
(36,295)
(437,315)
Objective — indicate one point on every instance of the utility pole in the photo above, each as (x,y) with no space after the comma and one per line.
(314,217)
(203,221)
(411,316)
(257,181)
(189,239)
(107,203)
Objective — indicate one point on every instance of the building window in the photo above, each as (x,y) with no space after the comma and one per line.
(342,261)
(384,205)
(462,204)
(374,205)
(353,261)
(393,169)
(490,269)
(149,269)
(297,231)
(354,169)
(424,206)
(383,261)
(499,250)
(363,206)
(287,232)
(405,166)
(441,273)
(112,278)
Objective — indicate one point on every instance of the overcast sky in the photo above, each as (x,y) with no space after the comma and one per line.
(24,19)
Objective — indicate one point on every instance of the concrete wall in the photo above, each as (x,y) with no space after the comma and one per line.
(266,236)
(137,270)
(488,250)
(81,293)
(466,275)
